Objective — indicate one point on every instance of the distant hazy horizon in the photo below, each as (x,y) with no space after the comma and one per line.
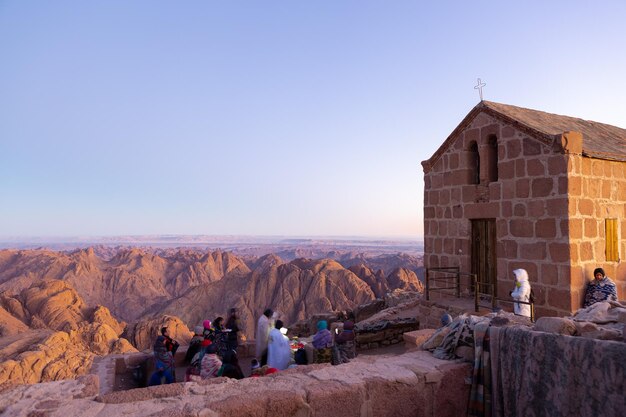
(207,238)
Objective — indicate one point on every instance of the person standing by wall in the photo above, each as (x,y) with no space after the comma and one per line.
(278,349)
(262,335)
(521,293)
(233,326)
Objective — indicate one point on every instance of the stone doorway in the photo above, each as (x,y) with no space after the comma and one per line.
(484,254)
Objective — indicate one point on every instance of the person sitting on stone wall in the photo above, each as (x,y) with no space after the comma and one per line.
(345,344)
(219,336)
(601,288)
(323,343)
(521,292)
(195,344)
(211,364)
(193,370)
(163,363)
(230,366)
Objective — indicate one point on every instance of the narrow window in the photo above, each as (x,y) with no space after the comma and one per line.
(474,164)
(493,158)
(610,233)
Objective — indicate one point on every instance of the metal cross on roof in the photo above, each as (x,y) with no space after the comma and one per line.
(479,86)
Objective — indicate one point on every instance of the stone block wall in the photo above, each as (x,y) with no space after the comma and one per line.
(528,200)
(597,190)
(389,333)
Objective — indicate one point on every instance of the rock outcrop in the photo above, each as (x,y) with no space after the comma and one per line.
(49,334)
(143,333)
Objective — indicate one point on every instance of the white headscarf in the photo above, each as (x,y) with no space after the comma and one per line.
(521,292)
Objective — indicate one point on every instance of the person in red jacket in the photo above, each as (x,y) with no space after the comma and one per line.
(170,344)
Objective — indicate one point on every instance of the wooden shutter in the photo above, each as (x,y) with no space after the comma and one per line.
(612,244)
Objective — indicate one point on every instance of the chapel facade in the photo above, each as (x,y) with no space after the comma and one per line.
(518,188)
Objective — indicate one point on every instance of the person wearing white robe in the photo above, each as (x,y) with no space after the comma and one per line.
(262,334)
(521,292)
(278,349)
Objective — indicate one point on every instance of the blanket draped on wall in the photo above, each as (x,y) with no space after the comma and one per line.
(545,374)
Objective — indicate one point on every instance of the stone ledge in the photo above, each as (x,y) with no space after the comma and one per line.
(417,337)
(411,384)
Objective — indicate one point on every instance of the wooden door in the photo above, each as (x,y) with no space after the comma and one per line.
(484,253)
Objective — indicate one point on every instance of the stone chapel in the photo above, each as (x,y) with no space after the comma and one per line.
(519,188)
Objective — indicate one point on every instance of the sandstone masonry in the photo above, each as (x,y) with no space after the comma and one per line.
(548,191)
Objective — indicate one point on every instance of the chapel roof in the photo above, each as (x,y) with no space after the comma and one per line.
(600,140)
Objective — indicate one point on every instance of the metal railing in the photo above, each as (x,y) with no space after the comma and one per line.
(495,300)
(453,274)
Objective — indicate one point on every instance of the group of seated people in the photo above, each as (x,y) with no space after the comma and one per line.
(212,352)
(337,351)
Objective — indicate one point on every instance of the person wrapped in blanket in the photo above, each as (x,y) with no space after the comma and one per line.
(323,343)
(163,363)
(345,345)
(210,364)
(601,288)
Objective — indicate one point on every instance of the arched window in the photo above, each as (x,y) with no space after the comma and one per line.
(474,164)
(493,158)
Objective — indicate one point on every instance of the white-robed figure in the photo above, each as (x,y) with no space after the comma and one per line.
(521,292)
(262,334)
(278,349)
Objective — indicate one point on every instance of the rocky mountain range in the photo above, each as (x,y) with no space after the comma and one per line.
(58,310)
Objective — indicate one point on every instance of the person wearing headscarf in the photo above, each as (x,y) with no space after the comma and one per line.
(323,338)
(262,335)
(211,363)
(278,348)
(207,329)
(323,343)
(195,344)
(163,363)
(218,336)
(601,288)
(521,292)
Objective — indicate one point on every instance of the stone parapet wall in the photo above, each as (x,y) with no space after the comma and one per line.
(384,334)
(412,384)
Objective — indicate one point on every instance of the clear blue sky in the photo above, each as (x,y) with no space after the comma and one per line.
(270,117)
